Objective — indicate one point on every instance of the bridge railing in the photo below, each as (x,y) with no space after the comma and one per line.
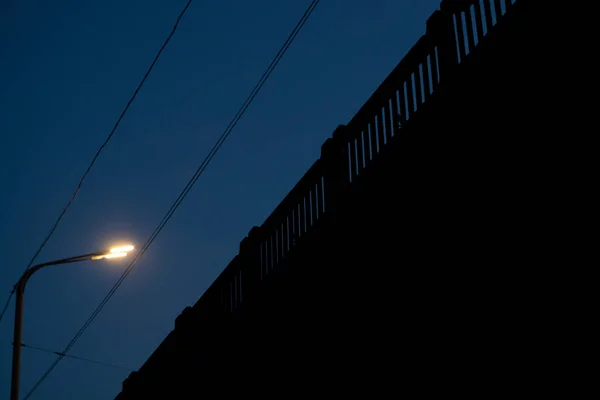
(473,19)
(451,34)
(292,220)
(399,97)
(342,157)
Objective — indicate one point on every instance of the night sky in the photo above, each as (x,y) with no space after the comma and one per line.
(67,70)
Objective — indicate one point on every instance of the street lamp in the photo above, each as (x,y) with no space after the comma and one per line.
(20,290)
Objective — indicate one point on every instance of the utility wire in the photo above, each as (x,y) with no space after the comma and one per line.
(6,305)
(75,357)
(110,135)
(186,190)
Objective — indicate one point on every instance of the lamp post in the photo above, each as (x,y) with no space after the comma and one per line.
(20,291)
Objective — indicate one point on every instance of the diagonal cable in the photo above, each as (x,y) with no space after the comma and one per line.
(185,191)
(108,138)
(75,357)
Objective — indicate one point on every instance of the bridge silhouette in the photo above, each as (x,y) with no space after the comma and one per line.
(385,267)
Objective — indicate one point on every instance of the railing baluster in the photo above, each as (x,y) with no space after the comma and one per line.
(310,210)
(410,96)
(402,94)
(426,84)
(284,237)
(293,223)
(296,224)
(434,69)
(290,230)
(270,249)
(273,254)
(488,15)
(360,153)
(315,203)
(367,145)
(498,10)
(394,114)
(387,119)
(302,215)
(281,250)
(373,139)
(460,35)
(478,20)
(380,128)
(385,115)
(418,93)
(277,241)
(470,30)
(306,212)
(352,150)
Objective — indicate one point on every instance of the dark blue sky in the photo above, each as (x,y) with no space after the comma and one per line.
(67,70)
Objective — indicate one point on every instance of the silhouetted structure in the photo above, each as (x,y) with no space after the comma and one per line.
(383,270)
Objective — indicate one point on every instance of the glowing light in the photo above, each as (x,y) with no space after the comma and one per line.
(109,255)
(122,249)
(115,255)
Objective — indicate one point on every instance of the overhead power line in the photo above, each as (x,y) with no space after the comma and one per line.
(185,191)
(75,357)
(6,304)
(100,149)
